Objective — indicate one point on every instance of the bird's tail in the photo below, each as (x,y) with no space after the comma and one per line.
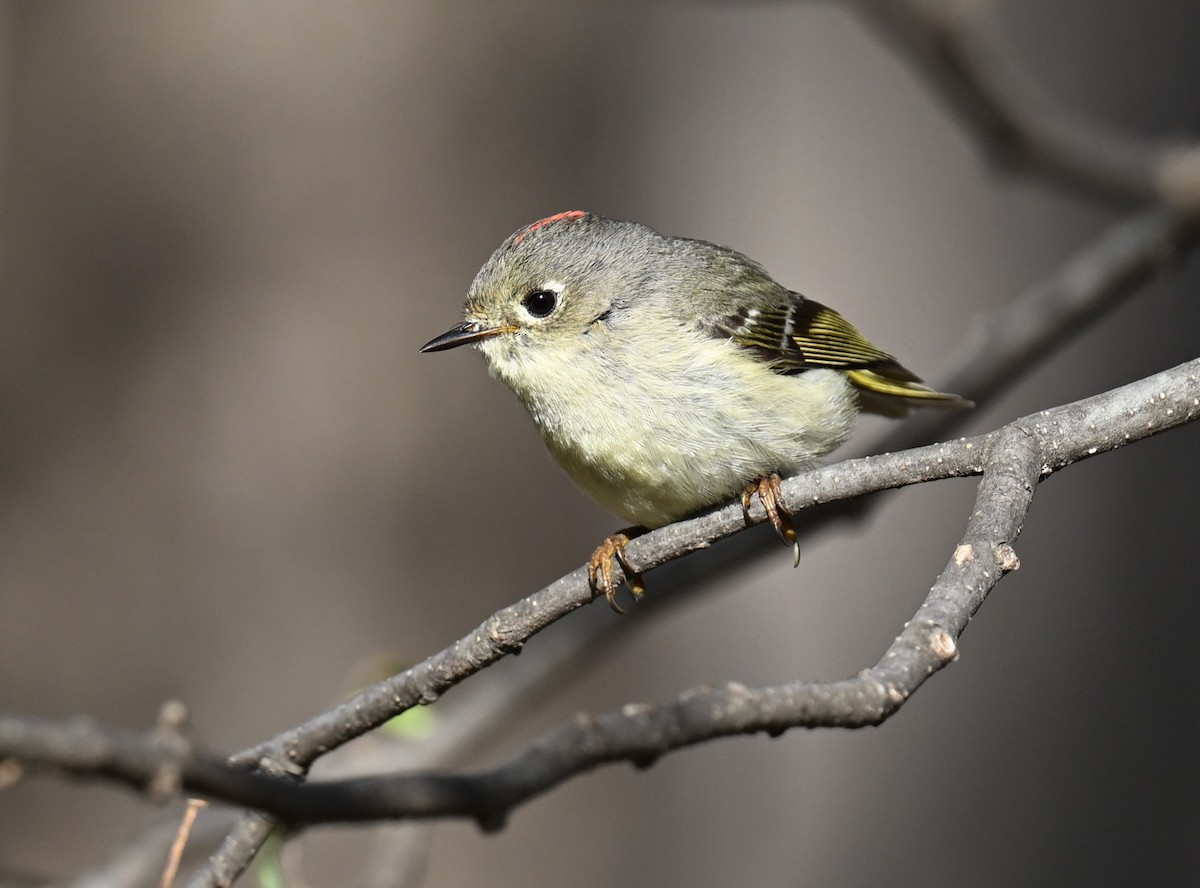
(891,390)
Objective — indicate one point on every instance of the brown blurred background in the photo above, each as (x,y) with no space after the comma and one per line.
(227,476)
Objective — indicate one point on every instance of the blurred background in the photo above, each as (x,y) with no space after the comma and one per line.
(227,477)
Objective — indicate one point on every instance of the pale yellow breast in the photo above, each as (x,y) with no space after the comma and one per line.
(655,434)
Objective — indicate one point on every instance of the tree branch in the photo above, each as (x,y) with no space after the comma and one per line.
(1004,346)
(1016,131)
(1016,127)
(1012,461)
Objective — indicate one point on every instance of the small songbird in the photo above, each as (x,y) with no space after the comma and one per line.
(667,375)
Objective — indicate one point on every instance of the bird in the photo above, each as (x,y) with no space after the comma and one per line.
(668,375)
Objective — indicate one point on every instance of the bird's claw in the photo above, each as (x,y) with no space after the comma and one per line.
(769,494)
(600,570)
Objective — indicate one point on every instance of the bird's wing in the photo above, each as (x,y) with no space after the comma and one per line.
(795,334)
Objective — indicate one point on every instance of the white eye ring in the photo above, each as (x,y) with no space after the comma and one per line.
(542,302)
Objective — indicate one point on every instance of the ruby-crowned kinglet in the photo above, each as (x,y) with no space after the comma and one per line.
(666,374)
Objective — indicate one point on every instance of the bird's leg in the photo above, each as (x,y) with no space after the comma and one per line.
(600,567)
(769,494)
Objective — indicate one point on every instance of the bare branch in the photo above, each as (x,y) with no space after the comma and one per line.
(1004,346)
(1043,317)
(1009,343)
(1016,128)
(1018,457)
(1012,461)
(1017,132)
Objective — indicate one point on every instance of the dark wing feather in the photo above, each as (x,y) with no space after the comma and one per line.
(795,334)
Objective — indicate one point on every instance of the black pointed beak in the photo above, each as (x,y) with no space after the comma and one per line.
(461,334)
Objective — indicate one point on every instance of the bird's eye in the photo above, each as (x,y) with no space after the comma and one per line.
(540,303)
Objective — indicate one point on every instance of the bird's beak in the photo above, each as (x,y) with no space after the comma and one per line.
(462,334)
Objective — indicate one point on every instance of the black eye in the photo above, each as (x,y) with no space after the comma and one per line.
(540,303)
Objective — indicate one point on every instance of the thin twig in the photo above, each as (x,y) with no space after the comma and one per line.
(181,838)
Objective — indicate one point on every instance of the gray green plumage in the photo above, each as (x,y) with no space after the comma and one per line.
(665,373)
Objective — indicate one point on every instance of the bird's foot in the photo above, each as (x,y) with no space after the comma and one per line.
(769,494)
(600,569)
